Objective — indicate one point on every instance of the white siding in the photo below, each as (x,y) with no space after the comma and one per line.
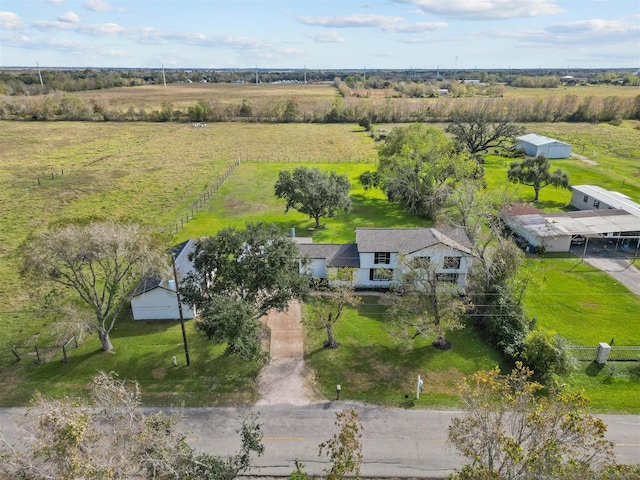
(159,304)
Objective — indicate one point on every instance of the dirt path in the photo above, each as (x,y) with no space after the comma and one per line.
(584,159)
(283,380)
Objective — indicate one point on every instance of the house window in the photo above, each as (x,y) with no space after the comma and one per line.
(585,199)
(451,262)
(421,262)
(380,274)
(382,257)
(596,203)
(447,277)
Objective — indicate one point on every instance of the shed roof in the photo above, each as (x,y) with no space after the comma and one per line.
(538,140)
(184,266)
(402,240)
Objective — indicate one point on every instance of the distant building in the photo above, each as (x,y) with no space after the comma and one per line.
(534,145)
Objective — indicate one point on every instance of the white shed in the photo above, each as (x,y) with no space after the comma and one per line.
(534,145)
(155,298)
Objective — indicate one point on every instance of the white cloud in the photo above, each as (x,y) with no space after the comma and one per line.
(579,33)
(10,21)
(69,17)
(98,6)
(415,27)
(325,37)
(358,20)
(486,9)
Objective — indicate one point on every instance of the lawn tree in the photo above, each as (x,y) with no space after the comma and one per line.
(98,260)
(478,130)
(344,448)
(495,287)
(315,193)
(511,430)
(535,172)
(418,168)
(110,436)
(239,275)
(424,303)
(329,305)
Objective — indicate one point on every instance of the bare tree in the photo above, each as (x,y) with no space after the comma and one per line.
(330,306)
(344,448)
(425,303)
(510,430)
(110,436)
(478,130)
(99,261)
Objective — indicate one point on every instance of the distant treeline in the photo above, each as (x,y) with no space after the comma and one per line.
(31,81)
(345,109)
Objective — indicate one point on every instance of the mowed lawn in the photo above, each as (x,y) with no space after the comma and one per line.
(154,172)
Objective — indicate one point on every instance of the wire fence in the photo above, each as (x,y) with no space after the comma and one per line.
(617,353)
(45,353)
(189,212)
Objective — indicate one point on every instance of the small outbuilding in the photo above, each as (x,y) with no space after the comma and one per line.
(155,297)
(534,145)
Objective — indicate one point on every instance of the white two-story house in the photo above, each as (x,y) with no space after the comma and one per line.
(380,255)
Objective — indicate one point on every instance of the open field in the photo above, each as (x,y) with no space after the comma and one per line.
(155,171)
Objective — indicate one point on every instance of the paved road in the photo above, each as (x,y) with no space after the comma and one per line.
(396,442)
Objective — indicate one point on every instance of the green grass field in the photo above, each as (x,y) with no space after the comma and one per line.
(155,171)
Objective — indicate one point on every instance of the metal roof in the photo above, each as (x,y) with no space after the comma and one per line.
(535,139)
(615,199)
(588,223)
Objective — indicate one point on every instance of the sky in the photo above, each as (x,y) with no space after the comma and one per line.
(321,34)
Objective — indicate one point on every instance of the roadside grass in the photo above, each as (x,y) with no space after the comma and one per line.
(373,366)
(143,351)
(610,388)
(580,302)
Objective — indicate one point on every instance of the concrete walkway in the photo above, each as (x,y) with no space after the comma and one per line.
(283,381)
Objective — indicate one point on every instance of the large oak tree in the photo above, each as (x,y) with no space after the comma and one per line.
(418,168)
(239,275)
(98,260)
(315,193)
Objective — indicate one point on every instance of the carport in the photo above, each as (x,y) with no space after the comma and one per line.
(554,231)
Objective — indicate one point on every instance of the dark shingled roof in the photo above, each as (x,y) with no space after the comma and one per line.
(336,255)
(402,240)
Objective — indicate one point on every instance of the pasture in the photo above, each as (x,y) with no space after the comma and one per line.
(155,171)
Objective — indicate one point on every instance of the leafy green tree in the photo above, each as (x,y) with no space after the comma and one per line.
(423,304)
(239,275)
(339,295)
(534,172)
(419,168)
(546,354)
(97,260)
(478,130)
(511,431)
(315,193)
(344,448)
(291,109)
(110,436)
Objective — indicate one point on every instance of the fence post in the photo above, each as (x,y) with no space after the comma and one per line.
(37,354)
(64,355)
(604,349)
(15,352)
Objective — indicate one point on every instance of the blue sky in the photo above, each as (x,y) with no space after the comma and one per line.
(371,34)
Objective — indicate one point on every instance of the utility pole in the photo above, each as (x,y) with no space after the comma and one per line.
(184,333)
